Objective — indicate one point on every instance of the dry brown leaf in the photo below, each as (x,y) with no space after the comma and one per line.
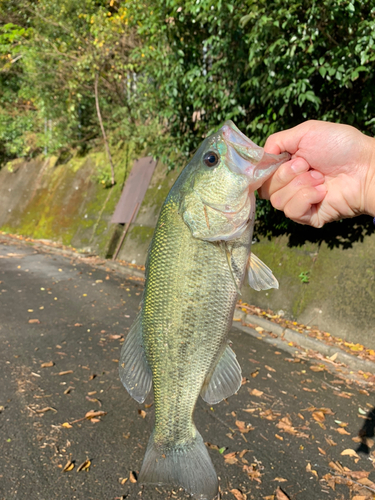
(279,437)
(66,372)
(255,392)
(77,324)
(269,368)
(310,469)
(360,497)
(254,373)
(330,441)
(149,405)
(269,497)
(280,495)
(91,377)
(317,368)
(68,466)
(337,467)
(243,427)
(95,414)
(132,477)
(238,494)
(47,408)
(47,364)
(322,451)
(114,337)
(280,479)
(349,452)
(70,388)
(142,413)
(253,473)
(358,475)
(84,465)
(123,481)
(34,321)
(94,400)
(318,416)
(341,430)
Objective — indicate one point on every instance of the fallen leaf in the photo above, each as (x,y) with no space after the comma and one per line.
(280,479)
(318,416)
(66,425)
(254,373)
(94,400)
(91,377)
(333,357)
(95,414)
(280,495)
(279,437)
(34,321)
(322,451)
(317,368)
(132,477)
(123,481)
(77,324)
(68,466)
(244,428)
(84,465)
(47,408)
(66,372)
(330,441)
(142,413)
(310,469)
(67,391)
(269,368)
(349,452)
(255,392)
(114,337)
(340,430)
(238,494)
(47,364)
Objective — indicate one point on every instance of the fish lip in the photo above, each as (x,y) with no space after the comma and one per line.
(246,158)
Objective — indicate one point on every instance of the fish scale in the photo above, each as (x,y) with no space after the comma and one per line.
(194,305)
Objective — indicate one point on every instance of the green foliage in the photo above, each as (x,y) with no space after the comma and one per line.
(171,72)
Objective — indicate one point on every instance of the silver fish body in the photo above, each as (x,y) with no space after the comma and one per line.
(196,265)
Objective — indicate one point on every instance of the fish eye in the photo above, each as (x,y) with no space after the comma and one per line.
(211,159)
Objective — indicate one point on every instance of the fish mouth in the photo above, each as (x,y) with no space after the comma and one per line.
(246,158)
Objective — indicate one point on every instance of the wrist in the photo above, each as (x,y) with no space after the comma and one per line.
(369,206)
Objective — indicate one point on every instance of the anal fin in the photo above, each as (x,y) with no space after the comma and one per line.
(225,380)
(260,276)
(134,370)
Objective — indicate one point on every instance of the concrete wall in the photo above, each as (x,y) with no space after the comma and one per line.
(66,203)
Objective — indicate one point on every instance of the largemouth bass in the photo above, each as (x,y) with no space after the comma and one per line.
(196,265)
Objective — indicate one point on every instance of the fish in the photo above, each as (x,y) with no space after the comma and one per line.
(197,261)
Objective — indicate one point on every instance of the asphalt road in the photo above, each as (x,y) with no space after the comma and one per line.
(293,424)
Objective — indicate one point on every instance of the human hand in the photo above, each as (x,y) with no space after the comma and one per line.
(331,174)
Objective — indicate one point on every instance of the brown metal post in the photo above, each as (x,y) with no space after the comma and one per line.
(124,233)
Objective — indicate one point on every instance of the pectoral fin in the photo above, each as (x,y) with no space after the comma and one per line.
(134,370)
(260,276)
(225,380)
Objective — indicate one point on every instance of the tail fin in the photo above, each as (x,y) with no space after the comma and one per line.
(188,466)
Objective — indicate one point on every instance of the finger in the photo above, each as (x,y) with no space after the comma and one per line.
(286,140)
(283,176)
(307,180)
(301,207)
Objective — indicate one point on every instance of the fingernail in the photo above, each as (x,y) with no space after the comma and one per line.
(298,166)
(316,175)
(321,187)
